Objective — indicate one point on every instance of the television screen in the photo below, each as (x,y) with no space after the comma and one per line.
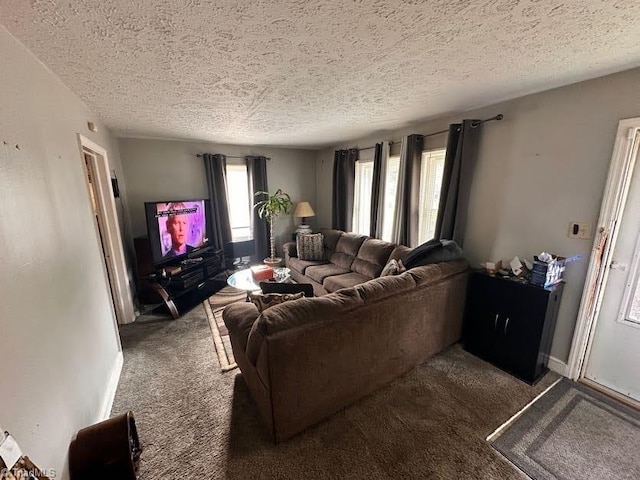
(176,228)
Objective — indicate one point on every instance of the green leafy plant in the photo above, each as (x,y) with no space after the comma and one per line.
(269,208)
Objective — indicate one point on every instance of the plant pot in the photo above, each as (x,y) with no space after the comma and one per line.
(272,262)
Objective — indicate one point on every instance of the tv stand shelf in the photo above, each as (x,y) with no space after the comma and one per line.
(181,291)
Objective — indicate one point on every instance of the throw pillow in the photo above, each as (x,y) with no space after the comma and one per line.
(401,267)
(270,299)
(309,246)
(393,267)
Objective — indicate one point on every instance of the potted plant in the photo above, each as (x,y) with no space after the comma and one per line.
(269,209)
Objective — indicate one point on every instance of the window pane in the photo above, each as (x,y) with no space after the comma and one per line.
(634,309)
(362,197)
(632,305)
(389,202)
(431,172)
(239,203)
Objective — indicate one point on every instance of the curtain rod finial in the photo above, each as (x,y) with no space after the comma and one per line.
(499,116)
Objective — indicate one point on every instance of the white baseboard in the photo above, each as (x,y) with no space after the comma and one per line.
(110,394)
(557,366)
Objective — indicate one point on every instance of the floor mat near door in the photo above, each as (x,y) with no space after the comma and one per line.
(574,432)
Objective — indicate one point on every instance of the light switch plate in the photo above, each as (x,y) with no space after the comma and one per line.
(581,230)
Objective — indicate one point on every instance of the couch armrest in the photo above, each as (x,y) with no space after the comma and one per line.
(290,250)
(239,318)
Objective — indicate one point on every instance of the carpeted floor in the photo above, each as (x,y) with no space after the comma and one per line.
(575,432)
(196,422)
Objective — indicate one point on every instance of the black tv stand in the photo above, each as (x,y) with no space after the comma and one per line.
(179,291)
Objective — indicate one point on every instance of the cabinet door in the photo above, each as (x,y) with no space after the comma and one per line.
(521,332)
(482,319)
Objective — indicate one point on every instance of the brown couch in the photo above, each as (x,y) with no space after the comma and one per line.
(350,259)
(306,359)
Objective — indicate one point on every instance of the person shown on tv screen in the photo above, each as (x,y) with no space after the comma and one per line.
(178,228)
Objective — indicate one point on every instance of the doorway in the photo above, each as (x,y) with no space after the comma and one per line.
(97,174)
(89,160)
(606,349)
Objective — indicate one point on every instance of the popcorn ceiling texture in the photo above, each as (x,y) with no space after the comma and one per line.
(303,73)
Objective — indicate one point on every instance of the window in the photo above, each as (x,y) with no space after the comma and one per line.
(389,200)
(431,171)
(630,309)
(240,204)
(362,197)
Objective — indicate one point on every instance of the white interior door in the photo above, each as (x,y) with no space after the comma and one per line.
(614,358)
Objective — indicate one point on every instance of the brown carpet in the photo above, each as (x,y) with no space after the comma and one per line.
(196,422)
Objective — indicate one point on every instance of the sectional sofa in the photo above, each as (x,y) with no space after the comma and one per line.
(304,360)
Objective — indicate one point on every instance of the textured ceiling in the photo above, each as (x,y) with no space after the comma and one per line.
(314,73)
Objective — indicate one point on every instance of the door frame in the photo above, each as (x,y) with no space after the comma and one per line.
(623,161)
(110,228)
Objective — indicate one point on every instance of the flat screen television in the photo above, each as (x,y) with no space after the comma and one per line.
(177,229)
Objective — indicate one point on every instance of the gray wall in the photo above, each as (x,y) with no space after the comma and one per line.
(167,169)
(59,342)
(542,167)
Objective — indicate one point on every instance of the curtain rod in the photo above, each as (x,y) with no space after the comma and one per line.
(199,155)
(473,125)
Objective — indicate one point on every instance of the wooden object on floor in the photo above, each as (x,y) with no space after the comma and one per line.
(511,324)
(106,450)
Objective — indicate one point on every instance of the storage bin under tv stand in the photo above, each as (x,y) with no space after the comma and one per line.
(180,292)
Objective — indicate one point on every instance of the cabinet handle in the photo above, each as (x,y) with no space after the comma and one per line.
(506,324)
(495,322)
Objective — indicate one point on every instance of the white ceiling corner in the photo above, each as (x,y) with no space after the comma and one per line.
(311,74)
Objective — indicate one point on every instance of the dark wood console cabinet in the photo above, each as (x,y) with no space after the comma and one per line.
(511,324)
(179,292)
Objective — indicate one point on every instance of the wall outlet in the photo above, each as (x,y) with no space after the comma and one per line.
(580,230)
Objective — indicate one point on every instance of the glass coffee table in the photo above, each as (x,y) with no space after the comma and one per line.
(243,279)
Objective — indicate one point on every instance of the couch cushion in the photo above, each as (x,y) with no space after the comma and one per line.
(310,246)
(295,314)
(347,249)
(320,272)
(372,257)
(383,287)
(301,265)
(336,282)
(306,310)
(399,252)
(239,318)
(427,274)
(331,238)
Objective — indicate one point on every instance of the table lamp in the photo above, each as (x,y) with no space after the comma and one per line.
(304,210)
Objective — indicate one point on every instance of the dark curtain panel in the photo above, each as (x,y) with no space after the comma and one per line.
(257,170)
(459,165)
(344,177)
(405,231)
(219,226)
(376,193)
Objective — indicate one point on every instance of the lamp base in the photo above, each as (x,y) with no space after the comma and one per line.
(302,229)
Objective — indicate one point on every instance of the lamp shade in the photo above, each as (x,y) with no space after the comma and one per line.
(303,209)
